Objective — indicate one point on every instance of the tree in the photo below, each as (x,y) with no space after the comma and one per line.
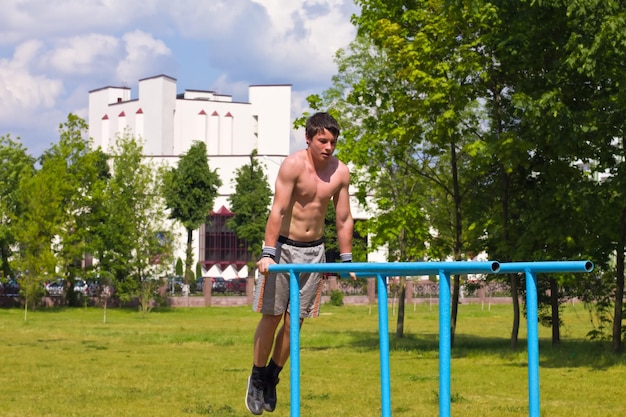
(179,267)
(405,86)
(135,244)
(189,191)
(36,226)
(81,176)
(596,55)
(15,163)
(560,63)
(511,86)
(250,204)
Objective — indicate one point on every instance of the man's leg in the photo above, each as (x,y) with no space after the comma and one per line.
(281,347)
(263,341)
(279,358)
(264,338)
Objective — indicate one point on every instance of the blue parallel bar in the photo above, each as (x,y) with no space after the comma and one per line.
(531,269)
(383,330)
(367,269)
(294,338)
(444,270)
(444,344)
(533,343)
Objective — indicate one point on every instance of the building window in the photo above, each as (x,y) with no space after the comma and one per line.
(222,246)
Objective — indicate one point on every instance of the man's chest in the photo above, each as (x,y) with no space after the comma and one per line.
(313,188)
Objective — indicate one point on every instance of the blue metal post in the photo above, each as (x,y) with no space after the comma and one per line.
(294,339)
(533,343)
(444,344)
(383,330)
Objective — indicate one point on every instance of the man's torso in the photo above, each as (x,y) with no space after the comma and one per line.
(311,194)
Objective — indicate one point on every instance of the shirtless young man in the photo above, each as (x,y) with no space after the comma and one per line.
(306,182)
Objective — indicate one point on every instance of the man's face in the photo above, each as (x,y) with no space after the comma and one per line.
(322,145)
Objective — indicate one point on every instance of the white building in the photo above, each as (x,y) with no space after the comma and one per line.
(169,122)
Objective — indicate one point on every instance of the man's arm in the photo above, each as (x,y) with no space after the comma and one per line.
(344,220)
(281,205)
(284,186)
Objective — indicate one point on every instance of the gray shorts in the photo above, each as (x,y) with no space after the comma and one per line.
(271,294)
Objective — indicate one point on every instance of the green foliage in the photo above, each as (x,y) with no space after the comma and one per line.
(190,190)
(331,243)
(15,163)
(198,272)
(336,298)
(597,294)
(489,109)
(250,204)
(35,230)
(179,268)
(191,187)
(136,245)
(81,175)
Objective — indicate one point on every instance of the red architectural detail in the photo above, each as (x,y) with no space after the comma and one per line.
(222,211)
(202,113)
(105,117)
(228,115)
(122,114)
(221,245)
(140,111)
(215,113)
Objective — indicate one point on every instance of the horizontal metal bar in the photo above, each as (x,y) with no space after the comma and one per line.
(546,266)
(394,268)
(362,269)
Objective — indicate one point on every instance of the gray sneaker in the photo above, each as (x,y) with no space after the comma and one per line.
(269,394)
(254,396)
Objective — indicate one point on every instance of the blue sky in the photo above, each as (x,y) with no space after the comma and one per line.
(53,52)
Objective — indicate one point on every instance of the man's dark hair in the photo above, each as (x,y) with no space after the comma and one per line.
(320,121)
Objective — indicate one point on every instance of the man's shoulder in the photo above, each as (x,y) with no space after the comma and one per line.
(292,165)
(342,167)
(295,159)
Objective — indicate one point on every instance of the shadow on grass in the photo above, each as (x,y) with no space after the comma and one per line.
(570,353)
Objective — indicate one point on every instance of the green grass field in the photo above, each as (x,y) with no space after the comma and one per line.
(192,362)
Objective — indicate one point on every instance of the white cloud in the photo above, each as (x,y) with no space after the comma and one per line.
(85,54)
(271,39)
(45,18)
(225,19)
(23,93)
(53,52)
(298,107)
(145,56)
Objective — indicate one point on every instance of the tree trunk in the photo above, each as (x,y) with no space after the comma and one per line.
(619,288)
(188,258)
(554,303)
(516,313)
(456,287)
(401,296)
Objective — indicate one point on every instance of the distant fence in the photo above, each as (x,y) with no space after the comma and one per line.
(359,292)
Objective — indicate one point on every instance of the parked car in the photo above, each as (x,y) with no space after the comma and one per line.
(81,287)
(11,287)
(55,288)
(93,288)
(236,286)
(200,284)
(218,284)
(175,284)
